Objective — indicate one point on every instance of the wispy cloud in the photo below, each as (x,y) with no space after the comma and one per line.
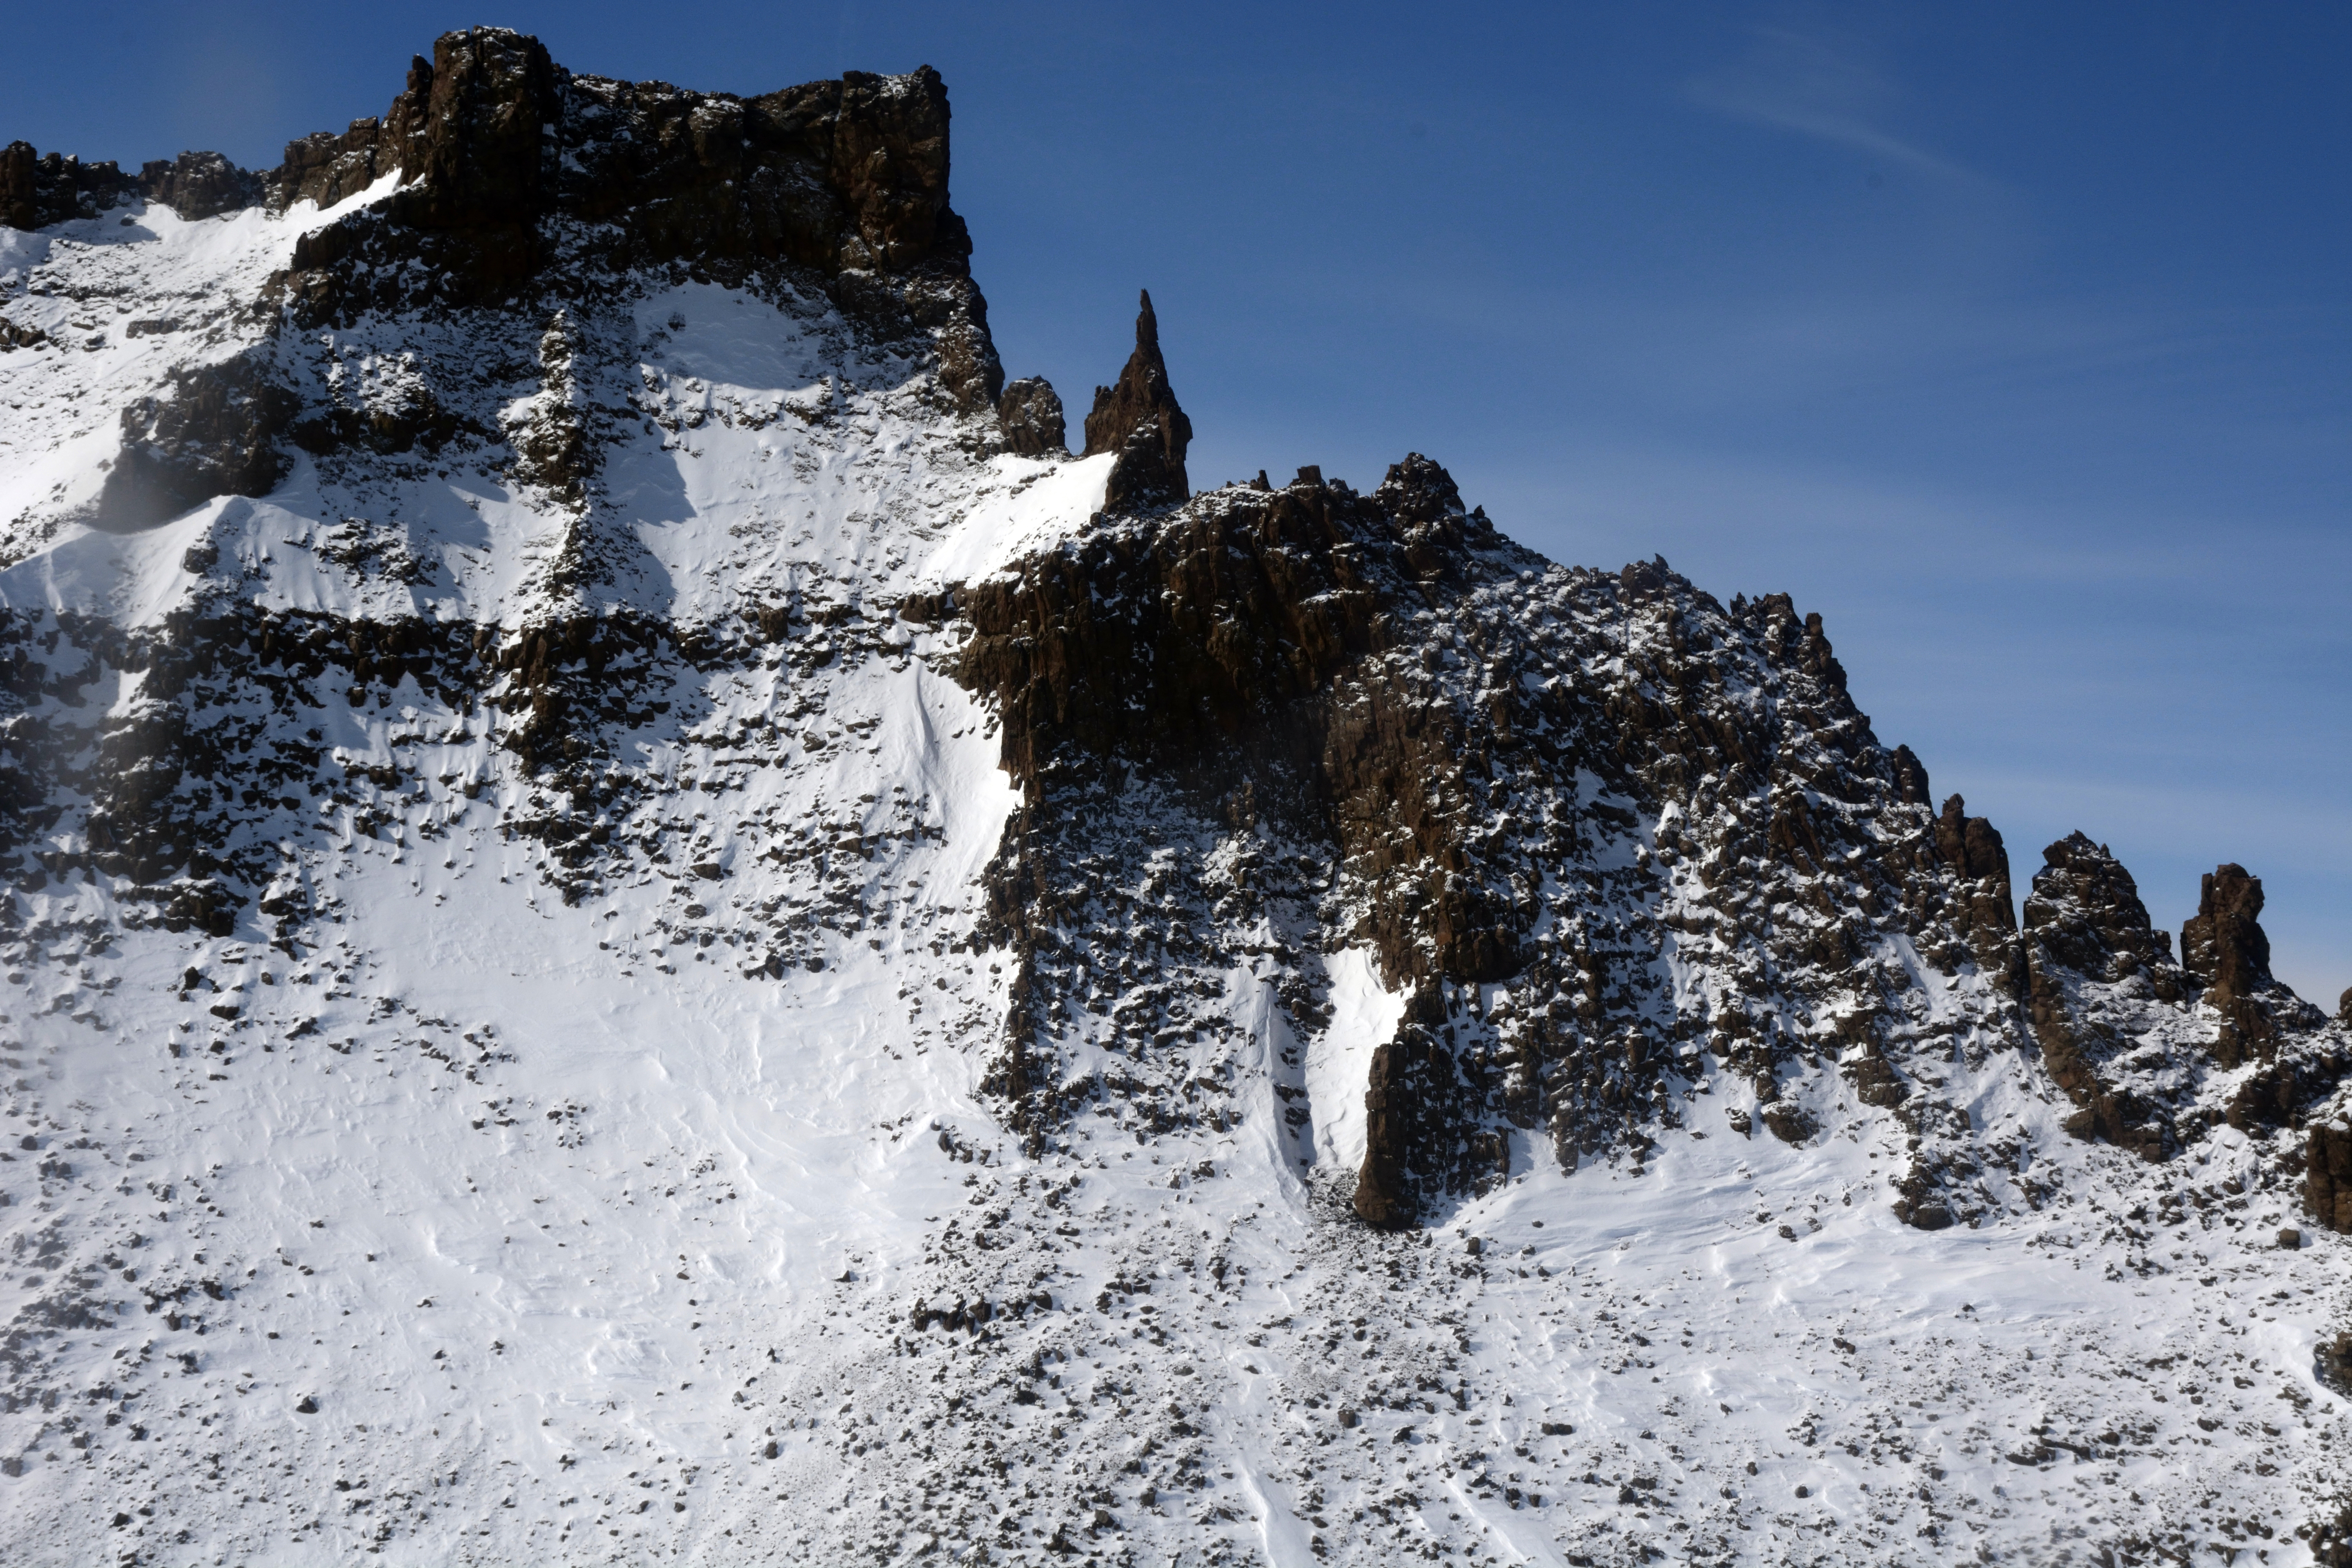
(1822,83)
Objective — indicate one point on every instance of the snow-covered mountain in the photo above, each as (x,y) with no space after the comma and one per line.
(554,700)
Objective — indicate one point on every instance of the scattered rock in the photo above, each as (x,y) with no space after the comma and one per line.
(1789,1123)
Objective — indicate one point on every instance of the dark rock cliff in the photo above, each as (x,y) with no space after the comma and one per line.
(1523,787)
(1030,414)
(2222,946)
(2085,923)
(38,190)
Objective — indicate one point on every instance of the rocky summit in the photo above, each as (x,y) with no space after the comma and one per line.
(554,699)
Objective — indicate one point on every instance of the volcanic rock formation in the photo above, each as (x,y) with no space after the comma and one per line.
(552,698)
(1137,420)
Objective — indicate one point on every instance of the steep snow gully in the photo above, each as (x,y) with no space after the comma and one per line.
(553,700)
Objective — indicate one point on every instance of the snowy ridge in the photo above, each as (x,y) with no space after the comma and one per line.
(135,294)
(660,781)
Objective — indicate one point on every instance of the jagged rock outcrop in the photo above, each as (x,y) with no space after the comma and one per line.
(1517,785)
(2293,1057)
(2153,1053)
(847,178)
(200,185)
(520,184)
(1138,418)
(2095,966)
(1030,414)
(215,431)
(2223,948)
(1972,848)
(38,190)
(2327,1166)
(1911,780)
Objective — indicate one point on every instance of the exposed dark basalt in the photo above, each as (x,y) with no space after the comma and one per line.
(1030,416)
(1972,849)
(38,190)
(215,431)
(2141,1044)
(2327,1166)
(2223,948)
(2085,923)
(847,179)
(200,185)
(1382,686)
(1138,419)
(187,794)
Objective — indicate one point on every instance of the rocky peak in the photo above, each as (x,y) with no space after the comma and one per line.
(38,189)
(1139,419)
(2223,948)
(199,184)
(526,191)
(2124,1032)
(1513,786)
(2084,914)
(491,139)
(1030,413)
(2093,962)
(1911,778)
(469,133)
(1971,846)
(2223,944)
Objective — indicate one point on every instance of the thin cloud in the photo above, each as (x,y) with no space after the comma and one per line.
(1820,85)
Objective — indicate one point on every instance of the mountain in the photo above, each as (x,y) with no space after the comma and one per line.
(556,700)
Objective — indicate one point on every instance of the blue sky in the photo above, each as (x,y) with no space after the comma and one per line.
(2015,339)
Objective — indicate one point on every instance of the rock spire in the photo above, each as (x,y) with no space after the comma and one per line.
(1139,419)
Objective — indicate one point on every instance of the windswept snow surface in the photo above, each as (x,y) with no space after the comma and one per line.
(283,1218)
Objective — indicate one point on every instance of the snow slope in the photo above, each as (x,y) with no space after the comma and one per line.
(281,1203)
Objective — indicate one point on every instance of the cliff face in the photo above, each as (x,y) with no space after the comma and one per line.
(552,699)
(1630,858)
